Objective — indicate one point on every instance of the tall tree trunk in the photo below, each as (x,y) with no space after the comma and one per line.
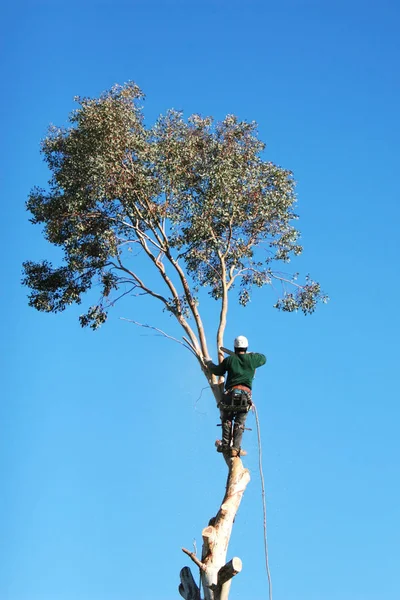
(216,574)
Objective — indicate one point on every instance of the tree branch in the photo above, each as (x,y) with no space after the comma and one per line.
(140,283)
(112,302)
(228,241)
(190,301)
(232,568)
(283,279)
(194,559)
(163,245)
(161,332)
(178,314)
(224,309)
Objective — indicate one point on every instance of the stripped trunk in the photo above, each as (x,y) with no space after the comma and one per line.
(216,574)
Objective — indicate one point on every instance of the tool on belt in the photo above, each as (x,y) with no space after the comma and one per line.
(237,399)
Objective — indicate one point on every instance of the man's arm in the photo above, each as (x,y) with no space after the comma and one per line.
(258,360)
(216,369)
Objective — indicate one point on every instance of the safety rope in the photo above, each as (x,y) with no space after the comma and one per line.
(264,503)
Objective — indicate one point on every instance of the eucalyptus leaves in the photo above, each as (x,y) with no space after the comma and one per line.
(195,197)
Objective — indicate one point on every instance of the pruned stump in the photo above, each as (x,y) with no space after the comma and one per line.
(216,573)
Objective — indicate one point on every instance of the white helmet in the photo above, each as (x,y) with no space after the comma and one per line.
(241,342)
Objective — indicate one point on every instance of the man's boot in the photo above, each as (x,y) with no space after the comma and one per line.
(224,444)
(237,435)
(221,447)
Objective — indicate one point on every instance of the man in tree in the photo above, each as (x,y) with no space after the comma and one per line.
(236,401)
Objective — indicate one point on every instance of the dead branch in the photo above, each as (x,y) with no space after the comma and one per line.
(194,559)
(161,332)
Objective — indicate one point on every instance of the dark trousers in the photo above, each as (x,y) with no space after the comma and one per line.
(237,419)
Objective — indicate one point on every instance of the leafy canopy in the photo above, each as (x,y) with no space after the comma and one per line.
(195,196)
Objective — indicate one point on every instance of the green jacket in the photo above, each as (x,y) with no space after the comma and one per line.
(240,368)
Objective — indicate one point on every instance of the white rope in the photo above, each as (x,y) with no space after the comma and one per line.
(264,503)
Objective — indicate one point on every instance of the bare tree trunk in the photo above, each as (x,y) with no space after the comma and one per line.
(216,574)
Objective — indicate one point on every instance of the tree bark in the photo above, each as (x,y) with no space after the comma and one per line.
(216,575)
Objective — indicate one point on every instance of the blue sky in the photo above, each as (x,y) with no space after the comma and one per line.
(107,460)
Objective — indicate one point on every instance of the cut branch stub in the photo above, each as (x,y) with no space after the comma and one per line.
(208,534)
(232,568)
(225,574)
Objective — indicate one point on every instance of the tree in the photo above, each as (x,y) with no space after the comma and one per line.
(201,204)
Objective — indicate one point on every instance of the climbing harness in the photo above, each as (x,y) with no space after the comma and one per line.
(237,399)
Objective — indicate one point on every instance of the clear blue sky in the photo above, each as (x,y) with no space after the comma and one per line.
(107,461)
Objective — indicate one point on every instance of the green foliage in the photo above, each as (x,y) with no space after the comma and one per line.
(194,195)
(94,317)
(303,298)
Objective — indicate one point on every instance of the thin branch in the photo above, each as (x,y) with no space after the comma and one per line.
(157,245)
(186,288)
(163,246)
(123,222)
(136,229)
(112,302)
(190,301)
(161,332)
(271,274)
(189,343)
(195,559)
(161,268)
(229,239)
(140,282)
(207,387)
(224,308)
(207,262)
(145,203)
(283,279)
(188,294)
(182,321)
(122,242)
(232,278)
